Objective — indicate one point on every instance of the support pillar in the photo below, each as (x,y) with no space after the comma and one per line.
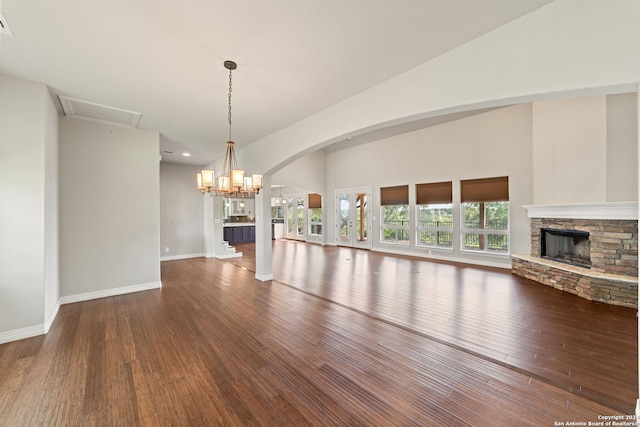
(264,270)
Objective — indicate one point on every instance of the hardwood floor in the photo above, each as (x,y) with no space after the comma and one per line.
(341,337)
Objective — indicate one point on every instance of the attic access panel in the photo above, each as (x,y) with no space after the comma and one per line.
(99,113)
(4,26)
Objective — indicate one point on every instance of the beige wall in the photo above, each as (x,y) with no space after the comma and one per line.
(181,213)
(28,209)
(109,207)
(496,143)
(622,147)
(585,150)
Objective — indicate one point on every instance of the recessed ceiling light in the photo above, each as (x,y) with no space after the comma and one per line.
(186,154)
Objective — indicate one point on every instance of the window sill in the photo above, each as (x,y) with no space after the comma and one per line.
(434,248)
(485,253)
(402,244)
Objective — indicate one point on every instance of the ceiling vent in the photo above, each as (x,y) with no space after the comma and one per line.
(99,113)
(4,26)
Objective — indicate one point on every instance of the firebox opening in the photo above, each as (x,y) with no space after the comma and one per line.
(568,246)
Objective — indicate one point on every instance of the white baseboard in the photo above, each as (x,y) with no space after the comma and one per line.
(185,256)
(22,333)
(109,292)
(264,277)
(229,255)
(42,329)
(52,316)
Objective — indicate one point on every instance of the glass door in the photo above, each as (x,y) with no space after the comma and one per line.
(352,218)
(295,213)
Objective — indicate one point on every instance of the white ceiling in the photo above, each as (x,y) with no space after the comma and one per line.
(295,57)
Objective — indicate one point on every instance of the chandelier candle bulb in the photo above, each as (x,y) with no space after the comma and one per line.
(257,182)
(223,184)
(207,178)
(238,178)
(248,186)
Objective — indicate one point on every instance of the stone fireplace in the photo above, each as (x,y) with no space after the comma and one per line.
(590,250)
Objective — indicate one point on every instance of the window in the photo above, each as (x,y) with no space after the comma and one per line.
(434,210)
(485,215)
(315,214)
(394,207)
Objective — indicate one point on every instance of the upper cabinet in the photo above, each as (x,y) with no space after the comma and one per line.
(240,207)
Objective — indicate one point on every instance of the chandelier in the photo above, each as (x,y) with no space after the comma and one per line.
(232,181)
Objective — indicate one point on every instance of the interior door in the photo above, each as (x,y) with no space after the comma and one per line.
(353,227)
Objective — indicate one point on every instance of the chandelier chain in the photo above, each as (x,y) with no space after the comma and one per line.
(229,105)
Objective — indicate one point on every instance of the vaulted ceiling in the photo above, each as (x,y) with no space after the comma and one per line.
(165,59)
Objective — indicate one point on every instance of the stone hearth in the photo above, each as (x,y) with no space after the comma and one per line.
(612,277)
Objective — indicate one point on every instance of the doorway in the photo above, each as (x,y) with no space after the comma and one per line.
(353,211)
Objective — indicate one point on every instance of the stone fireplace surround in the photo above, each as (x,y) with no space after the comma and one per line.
(613,233)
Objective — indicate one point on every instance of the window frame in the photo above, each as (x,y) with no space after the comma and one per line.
(397,229)
(395,197)
(433,229)
(483,191)
(434,194)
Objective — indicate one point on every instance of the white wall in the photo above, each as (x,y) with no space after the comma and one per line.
(307,172)
(28,208)
(109,209)
(181,212)
(492,144)
(565,49)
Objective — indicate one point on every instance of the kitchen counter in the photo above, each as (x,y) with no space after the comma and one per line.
(238,224)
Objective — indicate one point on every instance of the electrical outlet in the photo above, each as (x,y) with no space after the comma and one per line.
(166,249)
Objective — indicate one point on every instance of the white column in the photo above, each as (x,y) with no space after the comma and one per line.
(264,271)
(207,207)
(219,248)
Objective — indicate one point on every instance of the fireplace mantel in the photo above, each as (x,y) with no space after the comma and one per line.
(607,210)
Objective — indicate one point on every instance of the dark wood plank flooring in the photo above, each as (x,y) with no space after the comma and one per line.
(341,337)
(586,347)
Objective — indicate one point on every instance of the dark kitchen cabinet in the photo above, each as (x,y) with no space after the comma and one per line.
(240,234)
(249,234)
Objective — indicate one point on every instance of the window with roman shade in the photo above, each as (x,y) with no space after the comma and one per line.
(394,206)
(434,211)
(485,214)
(485,190)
